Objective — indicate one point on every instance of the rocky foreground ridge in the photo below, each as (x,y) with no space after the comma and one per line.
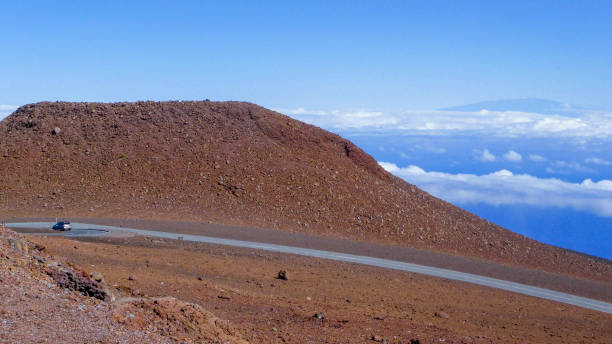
(46,300)
(235,163)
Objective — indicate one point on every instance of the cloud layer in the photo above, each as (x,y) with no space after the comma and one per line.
(342,119)
(598,161)
(504,187)
(493,123)
(6,110)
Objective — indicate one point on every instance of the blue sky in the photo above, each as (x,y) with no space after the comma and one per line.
(376,72)
(332,55)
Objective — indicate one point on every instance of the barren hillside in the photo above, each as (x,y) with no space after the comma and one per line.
(235,163)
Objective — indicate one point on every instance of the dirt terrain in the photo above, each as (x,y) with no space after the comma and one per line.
(324,301)
(47,299)
(239,164)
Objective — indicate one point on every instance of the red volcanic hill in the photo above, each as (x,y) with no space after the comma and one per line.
(234,163)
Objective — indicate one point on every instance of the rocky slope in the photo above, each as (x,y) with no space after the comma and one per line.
(234,163)
(46,300)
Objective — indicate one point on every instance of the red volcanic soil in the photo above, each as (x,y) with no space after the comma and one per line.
(238,164)
(355,303)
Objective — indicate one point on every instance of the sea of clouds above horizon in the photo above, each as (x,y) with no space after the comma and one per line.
(512,124)
(506,188)
(542,160)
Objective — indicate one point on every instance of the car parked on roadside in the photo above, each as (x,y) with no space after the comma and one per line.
(62,226)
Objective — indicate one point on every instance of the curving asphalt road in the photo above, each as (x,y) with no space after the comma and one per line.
(83,229)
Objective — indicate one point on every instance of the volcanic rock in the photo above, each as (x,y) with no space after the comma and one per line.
(441,314)
(282,275)
(79,281)
(319,316)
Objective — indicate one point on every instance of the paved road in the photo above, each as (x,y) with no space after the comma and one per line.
(82,229)
(77,232)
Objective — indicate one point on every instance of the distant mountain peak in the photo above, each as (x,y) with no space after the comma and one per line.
(535,105)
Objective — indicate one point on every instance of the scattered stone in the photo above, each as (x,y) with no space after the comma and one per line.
(224,297)
(97,277)
(319,316)
(56,131)
(41,260)
(282,275)
(441,314)
(200,278)
(38,247)
(19,245)
(131,278)
(378,339)
(415,341)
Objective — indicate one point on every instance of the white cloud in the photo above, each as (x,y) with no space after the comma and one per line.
(513,156)
(7,108)
(342,119)
(598,161)
(505,187)
(536,158)
(491,123)
(564,167)
(301,111)
(487,156)
(553,125)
